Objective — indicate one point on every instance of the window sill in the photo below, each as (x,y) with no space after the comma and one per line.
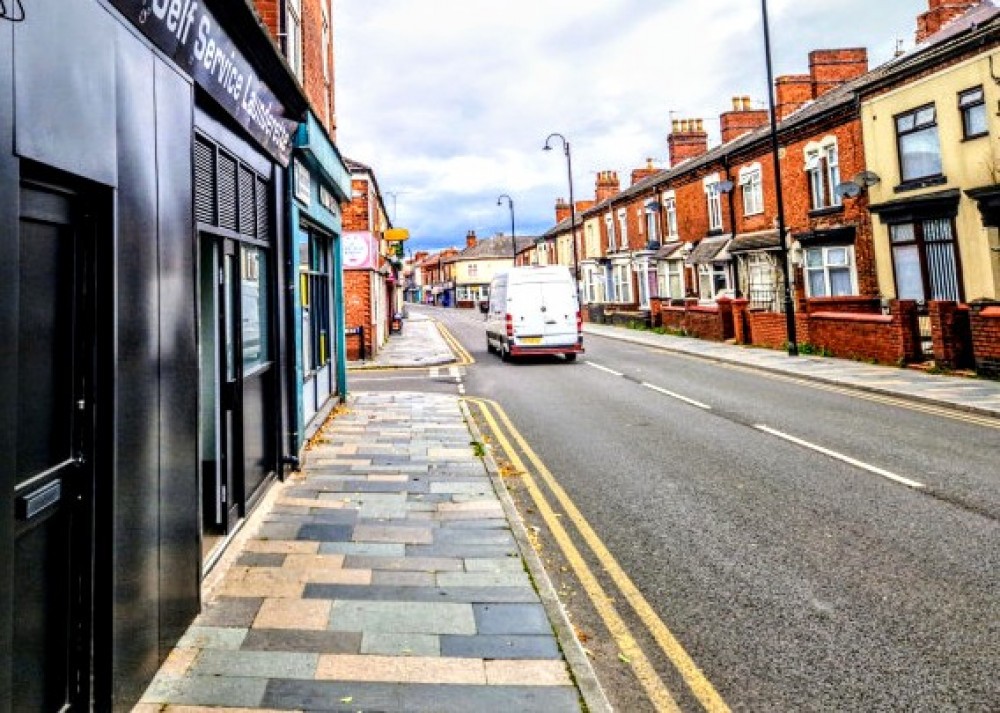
(973,137)
(829,210)
(918,183)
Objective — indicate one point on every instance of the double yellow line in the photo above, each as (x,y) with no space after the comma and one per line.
(460,352)
(650,680)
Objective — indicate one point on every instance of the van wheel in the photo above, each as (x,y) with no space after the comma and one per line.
(571,357)
(489,346)
(504,352)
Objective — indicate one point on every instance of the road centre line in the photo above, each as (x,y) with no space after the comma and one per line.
(841,457)
(673,395)
(695,679)
(654,687)
(604,368)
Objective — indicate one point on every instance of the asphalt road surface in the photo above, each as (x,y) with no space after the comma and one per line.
(811,549)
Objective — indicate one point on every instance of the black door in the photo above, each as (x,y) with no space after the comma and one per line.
(54,476)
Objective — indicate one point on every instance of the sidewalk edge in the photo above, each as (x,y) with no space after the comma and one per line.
(902,396)
(576,658)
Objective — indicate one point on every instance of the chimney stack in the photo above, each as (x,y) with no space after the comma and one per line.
(562,210)
(832,67)
(741,120)
(792,91)
(470,239)
(640,173)
(940,13)
(607,186)
(687,140)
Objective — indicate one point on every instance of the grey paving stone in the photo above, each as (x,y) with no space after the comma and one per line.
(403,579)
(327,696)
(317,642)
(507,619)
(403,617)
(459,550)
(375,549)
(385,644)
(230,611)
(428,698)
(279,531)
(473,536)
(483,579)
(476,523)
(256,664)
(500,647)
(212,637)
(207,691)
(325,533)
(349,592)
(480,486)
(494,564)
(393,533)
(410,564)
(260,559)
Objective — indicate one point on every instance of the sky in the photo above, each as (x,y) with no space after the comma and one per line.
(451,101)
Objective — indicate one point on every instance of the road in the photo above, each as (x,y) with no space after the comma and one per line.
(809,548)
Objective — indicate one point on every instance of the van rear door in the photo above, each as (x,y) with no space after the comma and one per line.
(559,310)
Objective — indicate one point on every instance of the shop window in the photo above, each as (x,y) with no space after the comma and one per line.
(314,276)
(918,144)
(253,307)
(972,104)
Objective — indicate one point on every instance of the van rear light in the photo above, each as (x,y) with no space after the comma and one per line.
(510,325)
(579,322)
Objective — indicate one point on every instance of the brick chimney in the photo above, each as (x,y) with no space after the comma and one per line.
(581,206)
(607,186)
(687,139)
(422,255)
(792,91)
(470,239)
(741,120)
(562,210)
(640,173)
(832,67)
(939,14)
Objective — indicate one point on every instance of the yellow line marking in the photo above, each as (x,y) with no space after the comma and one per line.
(464,357)
(954,413)
(644,671)
(700,686)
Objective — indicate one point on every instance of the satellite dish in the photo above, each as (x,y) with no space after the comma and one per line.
(850,189)
(725,186)
(867,178)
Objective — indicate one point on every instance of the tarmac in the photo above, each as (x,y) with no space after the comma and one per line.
(393,574)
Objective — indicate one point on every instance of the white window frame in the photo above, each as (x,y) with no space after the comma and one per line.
(670,209)
(821,163)
(293,36)
(622,278)
(609,221)
(667,269)
(712,270)
(593,248)
(713,197)
(641,265)
(825,267)
(623,228)
(753,189)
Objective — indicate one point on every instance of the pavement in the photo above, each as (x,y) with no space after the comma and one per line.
(419,344)
(981,396)
(392,574)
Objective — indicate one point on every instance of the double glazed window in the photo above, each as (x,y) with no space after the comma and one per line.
(925,260)
(670,213)
(713,278)
(609,222)
(593,284)
(823,172)
(622,276)
(753,192)
(623,229)
(972,104)
(919,148)
(293,36)
(670,274)
(714,197)
(830,271)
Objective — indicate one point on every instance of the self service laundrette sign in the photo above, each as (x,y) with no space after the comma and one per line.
(187,32)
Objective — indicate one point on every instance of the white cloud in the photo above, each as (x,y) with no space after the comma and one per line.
(450,101)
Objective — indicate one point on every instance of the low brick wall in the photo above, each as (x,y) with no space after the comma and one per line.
(951,334)
(705,322)
(673,318)
(851,304)
(887,339)
(766,329)
(984,322)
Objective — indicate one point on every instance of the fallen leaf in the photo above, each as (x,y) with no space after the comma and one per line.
(623,658)
(347,699)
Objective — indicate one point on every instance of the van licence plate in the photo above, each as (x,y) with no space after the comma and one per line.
(531,340)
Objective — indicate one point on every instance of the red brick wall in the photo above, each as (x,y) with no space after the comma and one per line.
(984,319)
(951,334)
(853,305)
(705,323)
(831,68)
(767,329)
(356,213)
(358,312)
(792,91)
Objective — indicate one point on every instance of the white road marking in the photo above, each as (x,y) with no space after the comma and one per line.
(673,395)
(840,456)
(435,372)
(604,368)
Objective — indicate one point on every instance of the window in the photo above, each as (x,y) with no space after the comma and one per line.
(917,139)
(593,248)
(314,276)
(593,284)
(473,269)
(972,104)
(925,261)
(670,278)
(646,279)
(253,307)
(327,50)
(293,36)
(830,271)
(623,229)
(670,211)
(303,182)
(753,193)
(610,224)
(622,283)
(652,224)
(714,198)
(822,169)
(713,278)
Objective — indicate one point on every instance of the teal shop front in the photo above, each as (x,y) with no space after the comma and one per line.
(319,184)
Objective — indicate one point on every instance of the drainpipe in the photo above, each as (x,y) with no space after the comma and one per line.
(732,227)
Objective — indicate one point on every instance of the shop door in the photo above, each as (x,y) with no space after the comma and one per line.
(54,481)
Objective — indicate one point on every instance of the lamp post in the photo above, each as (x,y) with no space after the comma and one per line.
(513,239)
(572,202)
(793,347)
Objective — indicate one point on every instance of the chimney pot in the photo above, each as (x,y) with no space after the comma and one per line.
(676,125)
(736,103)
(746,103)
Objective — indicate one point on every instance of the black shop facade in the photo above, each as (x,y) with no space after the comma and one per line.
(142,403)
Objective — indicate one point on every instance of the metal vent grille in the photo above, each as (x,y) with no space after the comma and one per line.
(248,221)
(227,192)
(263,222)
(204,182)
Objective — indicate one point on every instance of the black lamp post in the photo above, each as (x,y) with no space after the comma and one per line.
(572,202)
(793,347)
(513,239)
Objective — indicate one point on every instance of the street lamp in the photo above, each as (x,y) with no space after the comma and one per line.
(793,347)
(513,239)
(572,203)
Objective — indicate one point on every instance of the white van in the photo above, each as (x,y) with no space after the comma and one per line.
(534,310)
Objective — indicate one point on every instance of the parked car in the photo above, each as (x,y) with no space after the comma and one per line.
(534,310)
